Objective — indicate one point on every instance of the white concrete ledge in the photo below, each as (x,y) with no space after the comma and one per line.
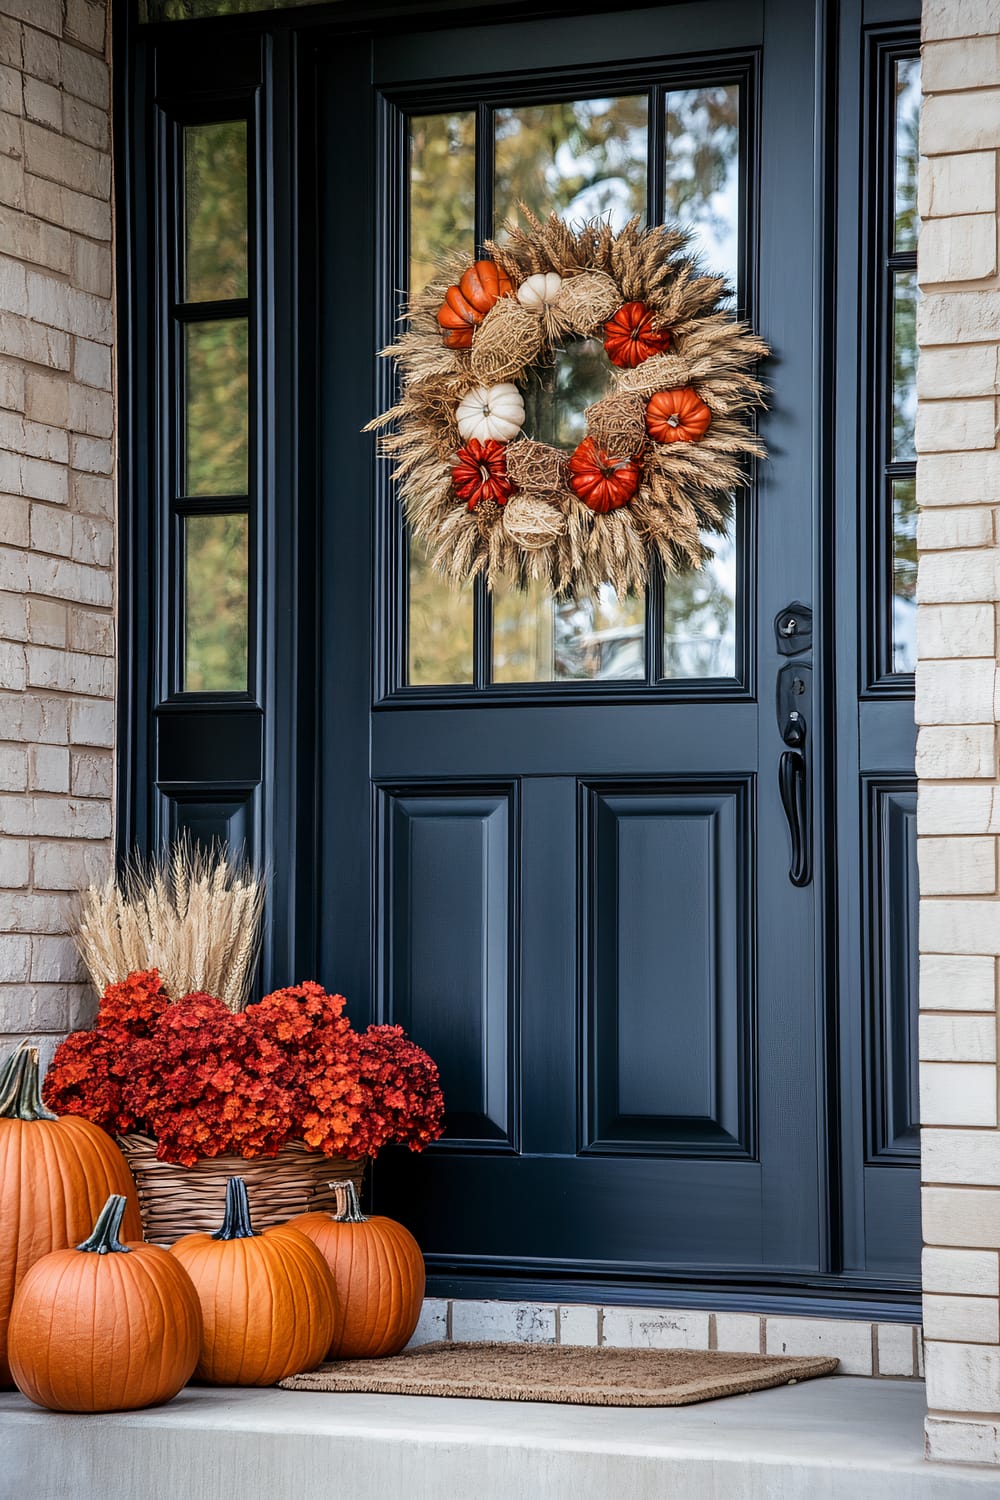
(822,1440)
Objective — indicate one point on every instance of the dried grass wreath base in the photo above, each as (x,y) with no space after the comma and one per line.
(667,446)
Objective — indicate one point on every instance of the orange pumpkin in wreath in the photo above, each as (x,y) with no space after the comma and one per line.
(629,336)
(600,480)
(467,304)
(480,473)
(677,416)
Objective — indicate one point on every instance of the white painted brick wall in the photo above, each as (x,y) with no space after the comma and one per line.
(958,806)
(57,666)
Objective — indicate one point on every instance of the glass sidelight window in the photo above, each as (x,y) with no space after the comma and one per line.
(213,361)
(660,152)
(895,366)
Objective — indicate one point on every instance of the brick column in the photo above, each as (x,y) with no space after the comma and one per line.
(958,489)
(56,498)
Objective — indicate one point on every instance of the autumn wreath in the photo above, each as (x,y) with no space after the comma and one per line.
(663,452)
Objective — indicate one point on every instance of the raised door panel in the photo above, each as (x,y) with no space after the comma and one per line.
(448,917)
(668,1006)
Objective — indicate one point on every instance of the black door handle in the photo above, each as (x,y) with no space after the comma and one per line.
(794,789)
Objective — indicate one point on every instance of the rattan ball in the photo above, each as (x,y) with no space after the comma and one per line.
(586,301)
(535,466)
(533,521)
(507,341)
(618,423)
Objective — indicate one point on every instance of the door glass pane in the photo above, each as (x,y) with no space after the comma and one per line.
(442,219)
(703,171)
(904,364)
(442,190)
(579,158)
(904,575)
(217,415)
(440,640)
(215,211)
(907,122)
(699,625)
(216,604)
(536,639)
(583,159)
(557,395)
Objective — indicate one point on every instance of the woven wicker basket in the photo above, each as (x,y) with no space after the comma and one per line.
(177,1200)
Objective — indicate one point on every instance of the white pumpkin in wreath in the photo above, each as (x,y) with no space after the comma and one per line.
(491,411)
(540,291)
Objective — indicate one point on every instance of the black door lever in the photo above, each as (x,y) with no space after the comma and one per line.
(794,698)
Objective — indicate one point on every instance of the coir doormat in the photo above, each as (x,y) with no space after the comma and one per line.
(578,1377)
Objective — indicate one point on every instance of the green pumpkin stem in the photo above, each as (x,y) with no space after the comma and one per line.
(103,1239)
(348,1207)
(236,1225)
(20,1094)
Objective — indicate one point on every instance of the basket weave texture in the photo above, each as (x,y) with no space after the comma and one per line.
(176,1200)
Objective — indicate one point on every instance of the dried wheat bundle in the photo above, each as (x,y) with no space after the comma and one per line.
(193,913)
(665,449)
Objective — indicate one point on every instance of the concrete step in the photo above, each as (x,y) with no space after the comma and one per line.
(835,1439)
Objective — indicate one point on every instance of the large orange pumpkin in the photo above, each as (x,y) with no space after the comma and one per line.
(677,416)
(105,1326)
(629,336)
(601,480)
(467,304)
(379,1272)
(55,1174)
(268,1301)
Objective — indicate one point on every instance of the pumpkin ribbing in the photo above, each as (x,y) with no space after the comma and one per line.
(104,1326)
(268,1300)
(55,1175)
(379,1273)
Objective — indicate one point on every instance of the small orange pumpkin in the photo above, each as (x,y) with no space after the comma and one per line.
(105,1326)
(379,1272)
(467,304)
(677,416)
(629,336)
(268,1302)
(55,1173)
(601,481)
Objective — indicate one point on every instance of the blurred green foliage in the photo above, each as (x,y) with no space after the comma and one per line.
(217,411)
(216,604)
(215,211)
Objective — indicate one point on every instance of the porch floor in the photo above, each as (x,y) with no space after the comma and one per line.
(840,1437)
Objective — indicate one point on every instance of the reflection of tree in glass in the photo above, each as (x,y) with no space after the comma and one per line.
(215,604)
(440,625)
(536,639)
(904,574)
(702,188)
(580,158)
(699,631)
(215,210)
(442,190)
(217,411)
(557,395)
(907,152)
(197,10)
(904,364)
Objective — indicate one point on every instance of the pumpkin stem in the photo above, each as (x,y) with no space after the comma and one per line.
(236,1225)
(20,1096)
(103,1238)
(348,1207)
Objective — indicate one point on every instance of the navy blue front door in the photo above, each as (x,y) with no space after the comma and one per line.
(572,847)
